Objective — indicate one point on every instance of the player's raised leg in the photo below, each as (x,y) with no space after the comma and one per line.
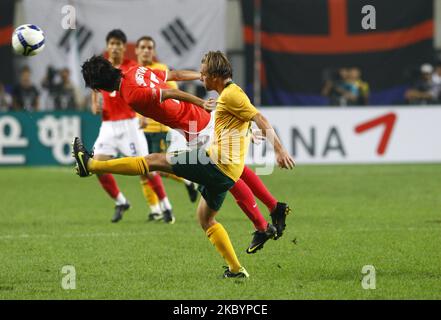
(86,165)
(278,210)
(202,172)
(245,199)
(129,166)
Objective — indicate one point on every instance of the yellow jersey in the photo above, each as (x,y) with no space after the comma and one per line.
(231,131)
(152,125)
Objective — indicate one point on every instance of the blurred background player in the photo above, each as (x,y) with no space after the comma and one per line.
(120,133)
(25,95)
(5,99)
(63,94)
(425,89)
(155,132)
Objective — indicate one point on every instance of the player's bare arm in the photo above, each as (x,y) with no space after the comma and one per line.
(184,96)
(284,160)
(143,122)
(96,107)
(183,75)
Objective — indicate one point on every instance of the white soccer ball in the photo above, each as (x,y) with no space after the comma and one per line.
(28,40)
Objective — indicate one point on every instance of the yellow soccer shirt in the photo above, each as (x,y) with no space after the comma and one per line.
(231,131)
(152,125)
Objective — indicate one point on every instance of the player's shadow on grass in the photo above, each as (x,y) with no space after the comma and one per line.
(433,221)
(337,275)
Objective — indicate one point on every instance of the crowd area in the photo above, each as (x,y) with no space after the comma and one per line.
(346,87)
(57,88)
(427,88)
(342,87)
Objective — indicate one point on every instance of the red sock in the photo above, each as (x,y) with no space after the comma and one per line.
(245,199)
(259,189)
(158,186)
(109,184)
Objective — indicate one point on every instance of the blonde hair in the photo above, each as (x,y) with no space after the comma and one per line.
(217,65)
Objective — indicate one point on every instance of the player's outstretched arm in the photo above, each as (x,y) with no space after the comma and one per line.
(184,96)
(96,106)
(284,160)
(183,75)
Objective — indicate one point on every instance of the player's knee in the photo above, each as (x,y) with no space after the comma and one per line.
(206,221)
(202,218)
(155,159)
(145,178)
(102,157)
(158,162)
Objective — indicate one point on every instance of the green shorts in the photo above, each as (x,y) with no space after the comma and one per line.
(157,141)
(196,166)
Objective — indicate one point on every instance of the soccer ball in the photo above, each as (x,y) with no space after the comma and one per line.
(28,40)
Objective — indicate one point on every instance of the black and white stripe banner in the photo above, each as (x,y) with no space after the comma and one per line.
(178,36)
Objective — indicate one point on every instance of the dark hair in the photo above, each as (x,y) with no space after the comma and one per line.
(116,34)
(99,74)
(146,38)
(217,65)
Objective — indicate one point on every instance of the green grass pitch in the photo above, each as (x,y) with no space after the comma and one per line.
(345,217)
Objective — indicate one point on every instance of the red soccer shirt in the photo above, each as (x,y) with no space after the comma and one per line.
(141,89)
(114,107)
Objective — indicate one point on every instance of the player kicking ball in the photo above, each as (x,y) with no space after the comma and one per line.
(140,88)
(216,169)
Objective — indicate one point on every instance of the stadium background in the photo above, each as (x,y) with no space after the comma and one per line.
(302,43)
(346,216)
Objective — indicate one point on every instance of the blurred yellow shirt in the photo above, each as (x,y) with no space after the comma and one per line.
(152,125)
(234,112)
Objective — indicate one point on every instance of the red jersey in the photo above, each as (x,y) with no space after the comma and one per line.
(114,107)
(141,89)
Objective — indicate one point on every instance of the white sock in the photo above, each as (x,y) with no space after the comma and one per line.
(120,199)
(165,204)
(155,208)
(187,183)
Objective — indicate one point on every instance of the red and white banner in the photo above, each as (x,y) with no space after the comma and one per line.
(356,135)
